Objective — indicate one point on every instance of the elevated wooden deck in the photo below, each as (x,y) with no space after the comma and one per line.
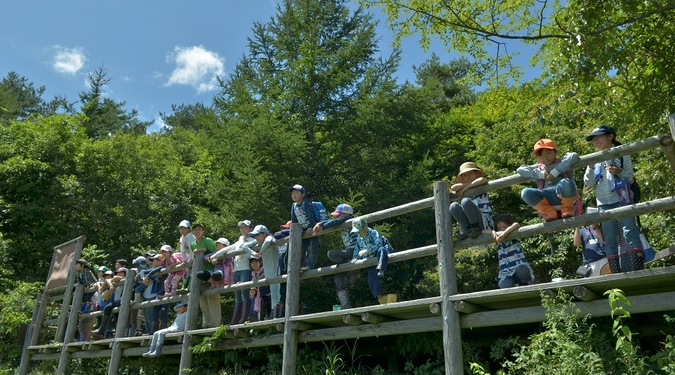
(649,291)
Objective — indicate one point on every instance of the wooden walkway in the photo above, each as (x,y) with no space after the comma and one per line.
(649,291)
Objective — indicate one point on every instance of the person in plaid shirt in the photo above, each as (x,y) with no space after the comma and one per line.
(372,244)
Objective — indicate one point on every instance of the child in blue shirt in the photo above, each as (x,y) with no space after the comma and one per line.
(342,213)
(513,267)
(372,244)
(302,212)
(473,214)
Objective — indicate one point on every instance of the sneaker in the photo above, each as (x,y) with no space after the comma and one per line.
(380,273)
(353,275)
(474,231)
(462,236)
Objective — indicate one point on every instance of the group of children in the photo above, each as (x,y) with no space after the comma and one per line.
(556,197)
(256,254)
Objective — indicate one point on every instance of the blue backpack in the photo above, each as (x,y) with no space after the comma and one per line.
(320,212)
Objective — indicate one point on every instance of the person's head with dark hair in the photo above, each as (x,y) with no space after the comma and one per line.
(121,263)
(506,219)
(603,137)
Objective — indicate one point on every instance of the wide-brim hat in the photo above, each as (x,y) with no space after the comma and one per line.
(468,167)
(83,262)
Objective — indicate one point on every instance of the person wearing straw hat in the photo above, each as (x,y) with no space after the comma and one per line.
(472,214)
(177,326)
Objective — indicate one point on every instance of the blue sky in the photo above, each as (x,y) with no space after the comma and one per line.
(158,53)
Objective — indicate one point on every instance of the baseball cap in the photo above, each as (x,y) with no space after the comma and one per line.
(224,241)
(601,130)
(244,222)
(83,262)
(103,269)
(139,260)
(297,187)
(287,225)
(543,144)
(166,248)
(150,253)
(358,224)
(157,256)
(198,225)
(258,229)
(184,224)
(122,269)
(108,273)
(342,208)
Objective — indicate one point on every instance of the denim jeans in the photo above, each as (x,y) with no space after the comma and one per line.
(310,252)
(610,231)
(241,276)
(565,188)
(373,278)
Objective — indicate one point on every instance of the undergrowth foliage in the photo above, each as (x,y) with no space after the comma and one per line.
(572,345)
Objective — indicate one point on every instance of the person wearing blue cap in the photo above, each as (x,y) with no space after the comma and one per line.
(611,180)
(302,211)
(342,213)
(177,326)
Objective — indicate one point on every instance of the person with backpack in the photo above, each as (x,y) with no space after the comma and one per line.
(303,212)
(611,180)
(555,185)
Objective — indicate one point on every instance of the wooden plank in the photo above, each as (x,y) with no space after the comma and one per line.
(351,319)
(452,335)
(70,331)
(663,254)
(639,304)
(290,349)
(302,326)
(241,332)
(191,319)
(585,294)
(398,327)
(373,318)
(25,354)
(669,149)
(122,322)
(466,307)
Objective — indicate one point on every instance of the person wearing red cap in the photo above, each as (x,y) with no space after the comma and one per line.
(342,213)
(555,182)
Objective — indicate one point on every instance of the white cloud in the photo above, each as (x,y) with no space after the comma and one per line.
(197,67)
(68,60)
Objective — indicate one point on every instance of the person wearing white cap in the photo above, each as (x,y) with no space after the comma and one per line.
(186,238)
(177,326)
(270,260)
(342,213)
(242,271)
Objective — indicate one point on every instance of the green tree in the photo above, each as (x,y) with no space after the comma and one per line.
(105,116)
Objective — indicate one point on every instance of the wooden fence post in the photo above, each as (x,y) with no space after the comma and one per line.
(122,321)
(452,335)
(290,351)
(193,314)
(69,329)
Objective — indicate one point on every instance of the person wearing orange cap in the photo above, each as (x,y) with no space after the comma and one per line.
(555,182)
